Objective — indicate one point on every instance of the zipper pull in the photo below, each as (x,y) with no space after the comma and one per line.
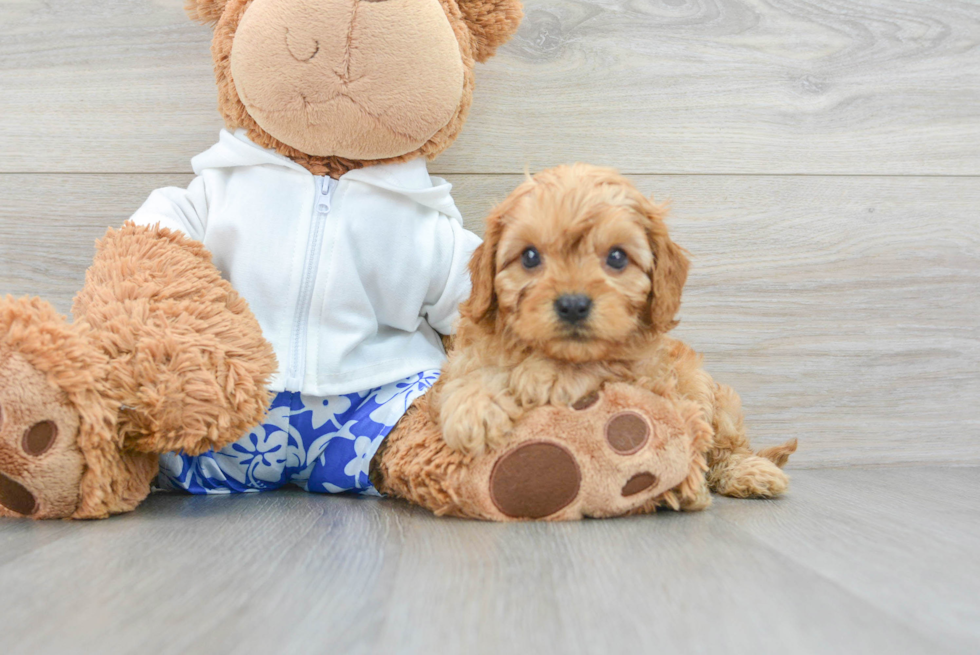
(326,186)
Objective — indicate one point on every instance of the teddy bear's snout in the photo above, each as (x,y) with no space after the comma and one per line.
(318,75)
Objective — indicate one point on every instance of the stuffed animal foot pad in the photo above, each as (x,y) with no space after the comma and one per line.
(41,466)
(621,451)
(38,449)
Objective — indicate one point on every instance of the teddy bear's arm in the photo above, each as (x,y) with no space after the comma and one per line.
(451,279)
(182,210)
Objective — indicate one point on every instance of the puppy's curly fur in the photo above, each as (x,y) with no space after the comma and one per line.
(575,285)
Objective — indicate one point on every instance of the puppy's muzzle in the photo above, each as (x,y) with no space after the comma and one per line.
(573,308)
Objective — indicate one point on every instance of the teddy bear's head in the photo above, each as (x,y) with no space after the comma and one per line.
(340,84)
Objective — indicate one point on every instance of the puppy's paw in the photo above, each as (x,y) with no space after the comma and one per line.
(749,476)
(532,383)
(473,421)
(698,500)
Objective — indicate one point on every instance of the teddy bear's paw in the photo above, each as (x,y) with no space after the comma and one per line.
(40,464)
(535,480)
(611,453)
(748,476)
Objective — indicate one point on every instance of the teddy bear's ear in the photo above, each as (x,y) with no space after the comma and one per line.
(492,23)
(205,11)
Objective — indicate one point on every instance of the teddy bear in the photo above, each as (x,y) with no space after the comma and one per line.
(275,321)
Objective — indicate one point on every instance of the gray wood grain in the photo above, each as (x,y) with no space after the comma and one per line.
(905,540)
(831,568)
(679,86)
(844,310)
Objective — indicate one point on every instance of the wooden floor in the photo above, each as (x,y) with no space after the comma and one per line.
(823,162)
(882,560)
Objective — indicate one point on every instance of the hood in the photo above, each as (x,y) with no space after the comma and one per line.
(409,179)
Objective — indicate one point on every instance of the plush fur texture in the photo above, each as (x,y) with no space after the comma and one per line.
(40,479)
(420,111)
(187,359)
(164,355)
(580,474)
(513,352)
(491,23)
(33,334)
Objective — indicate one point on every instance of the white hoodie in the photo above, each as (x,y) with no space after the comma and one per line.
(350,279)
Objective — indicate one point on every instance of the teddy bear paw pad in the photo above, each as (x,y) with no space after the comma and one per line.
(40,464)
(15,496)
(639,482)
(586,402)
(534,480)
(627,432)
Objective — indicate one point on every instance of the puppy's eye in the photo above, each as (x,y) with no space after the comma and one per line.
(531,258)
(617,259)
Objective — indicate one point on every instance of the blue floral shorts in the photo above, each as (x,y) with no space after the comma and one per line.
(320,444)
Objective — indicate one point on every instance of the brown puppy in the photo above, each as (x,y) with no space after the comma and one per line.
(576,285)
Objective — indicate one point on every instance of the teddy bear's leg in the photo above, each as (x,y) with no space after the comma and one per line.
(59,450)
(188,364)
(163,356)
(623,451)
(40,463)
(414,463)
(734,469)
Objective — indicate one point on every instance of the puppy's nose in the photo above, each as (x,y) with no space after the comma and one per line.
(573,307)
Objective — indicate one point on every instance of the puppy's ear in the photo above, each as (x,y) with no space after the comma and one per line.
(669,271)
(205,11)
(481,306)
(492,23)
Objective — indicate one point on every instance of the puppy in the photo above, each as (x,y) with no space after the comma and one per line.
(575,285)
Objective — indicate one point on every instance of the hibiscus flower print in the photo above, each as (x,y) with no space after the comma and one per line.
(316,443)
(257,459)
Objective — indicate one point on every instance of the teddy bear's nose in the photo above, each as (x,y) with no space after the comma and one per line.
(573,308)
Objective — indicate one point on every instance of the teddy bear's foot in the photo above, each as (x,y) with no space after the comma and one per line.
(60,453)
(40,463)
(622,451)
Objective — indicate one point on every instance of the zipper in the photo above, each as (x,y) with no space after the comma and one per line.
(296,372)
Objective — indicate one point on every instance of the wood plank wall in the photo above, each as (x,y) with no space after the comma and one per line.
(822,158)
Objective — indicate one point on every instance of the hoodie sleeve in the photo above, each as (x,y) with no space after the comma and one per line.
(453,284)
(185,210)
